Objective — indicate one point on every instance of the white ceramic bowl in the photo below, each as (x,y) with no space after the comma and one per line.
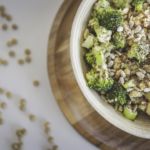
(140,127)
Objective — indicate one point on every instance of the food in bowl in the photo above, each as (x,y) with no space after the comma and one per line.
(116,45)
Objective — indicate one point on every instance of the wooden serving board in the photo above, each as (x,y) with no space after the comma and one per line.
(69,97)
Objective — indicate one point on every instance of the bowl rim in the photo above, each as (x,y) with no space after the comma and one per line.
(93,101)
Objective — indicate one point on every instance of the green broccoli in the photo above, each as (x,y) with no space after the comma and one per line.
(110,19)
(129,113)
(134,52)
(93,23)
(106,47)
(95,57)
(90,59)
(138,52)
(103,35)
(120,3)
(138,4)
(118,93)
(105,83)
(92,78)
(89,42)
(99,57)
(101,4)
(129,84)
(99,81)
(86,33)
(119,40)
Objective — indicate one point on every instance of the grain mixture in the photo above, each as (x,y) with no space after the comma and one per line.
(116,43)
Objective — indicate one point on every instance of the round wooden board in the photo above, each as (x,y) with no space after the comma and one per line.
(69,97)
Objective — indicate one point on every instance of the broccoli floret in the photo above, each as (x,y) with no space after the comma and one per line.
(86,33)
(95,58)
(99,81)
(110,19)
(134,52)
(120,3)
(119,40)
(93,23)
(90,59)
(129,113)
(92,78)
(138,4)
(105,84)
(138,52)
(101,4)
(99,57)
(107,47)
(118,93)
(129,84)
(89,42)
(103,35)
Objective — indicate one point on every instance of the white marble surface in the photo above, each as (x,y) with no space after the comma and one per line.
(34,18)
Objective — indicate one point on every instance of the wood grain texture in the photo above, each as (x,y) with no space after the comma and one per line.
(69,97)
